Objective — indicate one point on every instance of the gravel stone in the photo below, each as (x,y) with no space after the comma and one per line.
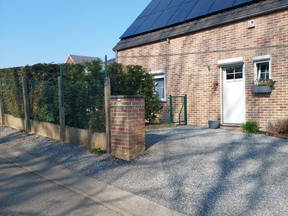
(193,170)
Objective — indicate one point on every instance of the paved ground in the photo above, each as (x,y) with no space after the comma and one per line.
(23,193)
(193,170)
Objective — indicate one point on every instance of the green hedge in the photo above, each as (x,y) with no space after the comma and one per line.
(83,92)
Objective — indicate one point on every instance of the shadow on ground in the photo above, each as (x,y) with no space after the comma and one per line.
(193,170)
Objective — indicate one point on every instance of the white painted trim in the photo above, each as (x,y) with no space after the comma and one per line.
(231,61)
(221,94)
(245,96)
(162,71)
(262,58)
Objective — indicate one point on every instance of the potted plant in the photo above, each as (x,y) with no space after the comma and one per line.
(263,86)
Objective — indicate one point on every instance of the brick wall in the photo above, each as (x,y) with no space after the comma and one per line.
(127,126)
(191,66)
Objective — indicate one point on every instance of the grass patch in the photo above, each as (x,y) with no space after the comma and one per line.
(250,127)
(159,126)
(97,151)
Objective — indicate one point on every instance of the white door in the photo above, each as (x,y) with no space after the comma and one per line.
(233,94)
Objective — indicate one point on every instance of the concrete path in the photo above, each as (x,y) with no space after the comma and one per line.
(25,193)
(31,186)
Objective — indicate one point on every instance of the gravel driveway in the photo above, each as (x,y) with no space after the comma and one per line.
(193,170)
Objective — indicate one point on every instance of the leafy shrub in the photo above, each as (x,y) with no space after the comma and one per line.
(83,92)
(279,127)
(134,80)
(250,127)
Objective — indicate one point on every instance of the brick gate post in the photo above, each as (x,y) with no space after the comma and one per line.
(127,126)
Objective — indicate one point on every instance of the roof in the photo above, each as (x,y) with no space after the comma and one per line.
(77,59)
(255,8)
(163,13)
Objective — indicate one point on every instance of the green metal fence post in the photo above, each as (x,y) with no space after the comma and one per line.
(185,109)
(171,110)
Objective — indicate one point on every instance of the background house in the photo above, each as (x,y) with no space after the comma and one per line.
(76,59)
(213,51)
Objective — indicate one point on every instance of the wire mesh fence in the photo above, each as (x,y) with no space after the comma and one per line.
(84,106)
(12,96)
(83,102)
(43,99)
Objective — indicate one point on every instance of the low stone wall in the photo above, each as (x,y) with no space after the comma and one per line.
(73,135)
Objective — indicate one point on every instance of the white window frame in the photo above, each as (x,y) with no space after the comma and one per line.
(160,74)
(262,59)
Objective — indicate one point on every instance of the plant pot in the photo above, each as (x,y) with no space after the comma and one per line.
(214,124)
(261,89)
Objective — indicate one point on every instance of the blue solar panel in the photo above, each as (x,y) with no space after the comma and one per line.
(181,13)
(148,10)
(133,28)
(174,3)
(238,2)
(164,18)
(148,23)
(163,13)
(219,5)
(200,9)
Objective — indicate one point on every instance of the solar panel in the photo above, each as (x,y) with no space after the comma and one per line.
(219,5)
(174,3)
(133,28)
(148,10)
(239,2)
(163,13)
(200,9)
(164,18)
(181,13)
(148,23)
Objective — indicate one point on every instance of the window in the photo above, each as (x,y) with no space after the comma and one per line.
(262,65)
(234,72)
(160,83)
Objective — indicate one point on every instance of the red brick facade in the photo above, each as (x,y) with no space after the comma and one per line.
(191,67)
(127,126)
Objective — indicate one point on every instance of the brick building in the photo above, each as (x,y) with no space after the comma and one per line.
(214,52)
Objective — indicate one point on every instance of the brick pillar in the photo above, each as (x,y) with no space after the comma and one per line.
(127,126)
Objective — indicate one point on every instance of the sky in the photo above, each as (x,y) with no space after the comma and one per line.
(47,31)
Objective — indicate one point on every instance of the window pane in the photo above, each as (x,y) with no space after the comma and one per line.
(239,68)
(159,85)
(230,76)
(264,75)
(239,75)
(263,70)
(230,70)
